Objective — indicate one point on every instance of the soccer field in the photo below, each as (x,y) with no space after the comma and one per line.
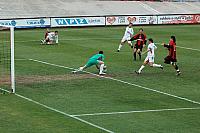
(50,99)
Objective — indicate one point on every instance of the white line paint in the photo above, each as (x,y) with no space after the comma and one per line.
(60,112)
(149,8)
(121,81)
(185,48)
(74,39)
(137,111)
(17,59)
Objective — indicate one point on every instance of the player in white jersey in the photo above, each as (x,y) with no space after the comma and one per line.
(127,36)
(51,38)
(150,57)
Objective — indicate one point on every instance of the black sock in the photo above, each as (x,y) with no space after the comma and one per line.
(176,67)
(134,55)
(139,55)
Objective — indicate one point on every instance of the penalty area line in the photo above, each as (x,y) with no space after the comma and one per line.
(137,111)
(60,112)
(121,81)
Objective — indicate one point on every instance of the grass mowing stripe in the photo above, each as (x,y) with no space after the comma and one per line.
(121,81)
(79,39)
(137,111)
(58,111)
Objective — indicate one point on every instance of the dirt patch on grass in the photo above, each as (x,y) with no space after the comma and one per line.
(50,78)
(5,80)
(46,78)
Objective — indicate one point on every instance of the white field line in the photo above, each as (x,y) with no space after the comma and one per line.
(74,39)
(79,39)
(121,81)
(17,59)
(149,8)
(60,112)
(184,47)
(137,111)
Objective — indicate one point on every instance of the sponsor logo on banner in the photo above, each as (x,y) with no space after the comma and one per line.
(111,20)
(35,22)
(86,21)
(124,20)
(8,22)
(178,19)
(26,23)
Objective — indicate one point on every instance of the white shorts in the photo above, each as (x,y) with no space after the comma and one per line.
(149,59)
(125,38)
(50,38)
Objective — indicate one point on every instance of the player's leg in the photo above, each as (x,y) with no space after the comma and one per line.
(101,68)
(152,64)
(79,69)
(139,53)
(167,60)
(46,40)
(176,67)
(121,43)
(134,52)
(130,43)
(146,61)
(88,64)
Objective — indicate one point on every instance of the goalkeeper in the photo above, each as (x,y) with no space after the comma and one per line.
(51,38)
(97,60)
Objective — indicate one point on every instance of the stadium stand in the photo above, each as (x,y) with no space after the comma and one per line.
(58,8)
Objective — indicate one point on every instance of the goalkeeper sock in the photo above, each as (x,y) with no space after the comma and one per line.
(101,68)
(141,68)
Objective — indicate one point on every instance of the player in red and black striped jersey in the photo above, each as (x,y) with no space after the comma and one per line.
(171,58)
(140,43)
(46,33)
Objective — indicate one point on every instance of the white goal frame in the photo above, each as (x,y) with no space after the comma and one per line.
(12,56)
(12,42)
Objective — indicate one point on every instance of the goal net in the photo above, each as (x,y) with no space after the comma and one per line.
(7,80)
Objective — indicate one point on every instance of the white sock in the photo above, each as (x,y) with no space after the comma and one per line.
(157,65)
(120,46)
(141,68)
(130,43)
(101,68)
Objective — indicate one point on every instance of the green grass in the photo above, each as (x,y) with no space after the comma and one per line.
(83,93)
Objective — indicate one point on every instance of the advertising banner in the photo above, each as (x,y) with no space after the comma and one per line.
(136,20)
(178,19)
(79,21)
(26,23)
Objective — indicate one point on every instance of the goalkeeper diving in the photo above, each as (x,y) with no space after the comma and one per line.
(98,60)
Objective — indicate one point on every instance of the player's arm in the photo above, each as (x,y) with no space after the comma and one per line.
(145,40)
(134,37)
(166,45)
(56,39)
(146,51)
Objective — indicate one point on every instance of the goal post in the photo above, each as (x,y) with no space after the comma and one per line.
(7,59)
(12,52)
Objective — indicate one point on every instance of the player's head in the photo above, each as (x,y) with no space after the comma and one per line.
(130,25)
(141,30)
(150,40)
(100,52)
(173,38)
(56,32)
(47,30)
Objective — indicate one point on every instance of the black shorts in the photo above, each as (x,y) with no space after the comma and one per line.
(138,47)
(170,60)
